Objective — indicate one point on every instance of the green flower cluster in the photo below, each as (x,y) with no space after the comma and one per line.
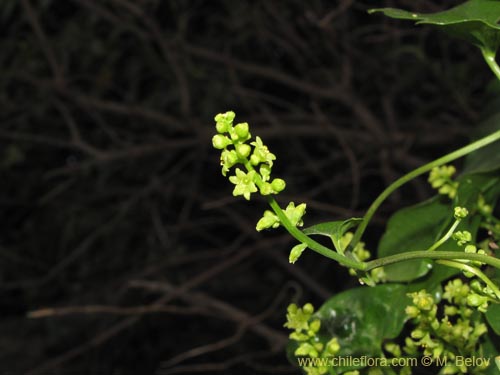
(255,157)
(258,162)
(305,333)
(440,178)
(457,332)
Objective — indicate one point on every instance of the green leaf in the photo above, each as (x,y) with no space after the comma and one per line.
(334,229)
(471,185)
(493,317)
(413,228)
(490,351)
(363,318)
(476,21)
(486,159)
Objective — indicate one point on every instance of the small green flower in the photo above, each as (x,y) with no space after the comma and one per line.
(269,220)
(261,153)
(294,214)
(423,300)
(462,237)
(298,318)
(460,213)
(224,121)
(296,252)
(440,178)
(228,159)
(244,182)
(456,291)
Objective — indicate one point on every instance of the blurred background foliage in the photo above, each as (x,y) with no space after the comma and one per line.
(122,250)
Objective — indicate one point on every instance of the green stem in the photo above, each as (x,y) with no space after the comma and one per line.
(298,234)
(445,237)
(312,244)
(417,172)
(473,270)
(450,255)
(489,57)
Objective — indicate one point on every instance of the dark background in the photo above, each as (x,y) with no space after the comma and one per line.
(122,250)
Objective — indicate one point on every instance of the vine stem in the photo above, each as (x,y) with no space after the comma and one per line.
(446,236)
(493,137)
(489,57)
(450,255)
(473,270)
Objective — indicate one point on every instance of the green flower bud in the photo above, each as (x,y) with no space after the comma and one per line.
(460,213)
(297,336)
(332,346)
(296,252)
(450,310)
(266,189)
(265,172)
(393,348)
(412,311)
(242,131)
(318,346)
(243,149)
(220,141)
(417,334)
(278,185)
(254,160)
(308,308)
(470,249)
(479,330)
(476,300)
(292,308)
(315,325)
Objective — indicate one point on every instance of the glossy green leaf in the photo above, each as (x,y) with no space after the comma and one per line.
(363,318)
(413,228)
(493,317)
(333,229)
(476,21)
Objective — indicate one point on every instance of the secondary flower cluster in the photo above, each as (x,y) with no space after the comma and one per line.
(455,333)
(305,333)
(440,178)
